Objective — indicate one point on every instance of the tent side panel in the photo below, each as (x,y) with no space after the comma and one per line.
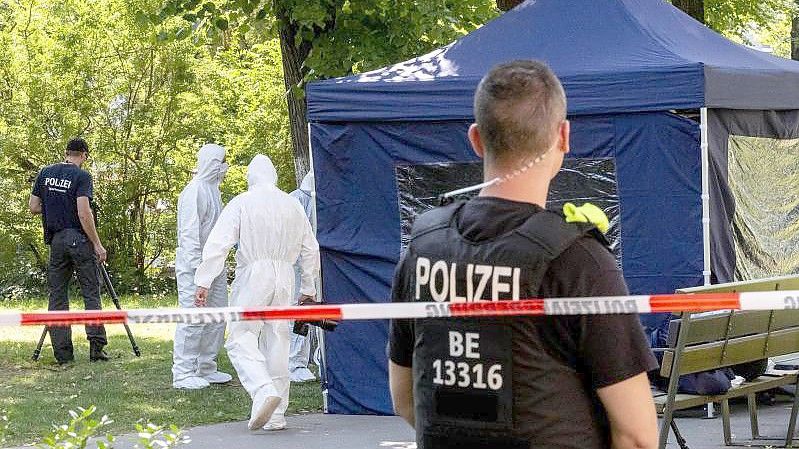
(753,88)
(359,234)
(659,163)
(723,123)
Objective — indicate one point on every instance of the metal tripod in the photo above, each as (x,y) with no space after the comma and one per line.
(109,288)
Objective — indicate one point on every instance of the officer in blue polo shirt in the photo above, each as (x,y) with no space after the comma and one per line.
(62,194)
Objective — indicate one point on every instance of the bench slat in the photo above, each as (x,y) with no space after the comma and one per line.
(712,328)
(784,319)
(762,383)
(708,356)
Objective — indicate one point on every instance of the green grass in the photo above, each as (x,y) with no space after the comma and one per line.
(129,389)
(127,301)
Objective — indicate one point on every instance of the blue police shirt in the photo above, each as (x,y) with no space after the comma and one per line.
(59,186)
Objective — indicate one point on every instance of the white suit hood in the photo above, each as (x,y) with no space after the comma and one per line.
(307,183)
(209,163)
(199,206)
(303,195)
(261,172)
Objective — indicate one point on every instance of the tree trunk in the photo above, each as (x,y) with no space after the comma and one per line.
(507,5)
(694,8)
(293,74)
(795,36)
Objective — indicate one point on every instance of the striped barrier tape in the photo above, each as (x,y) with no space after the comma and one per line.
(703,302)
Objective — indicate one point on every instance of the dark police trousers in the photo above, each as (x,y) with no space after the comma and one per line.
(71,251)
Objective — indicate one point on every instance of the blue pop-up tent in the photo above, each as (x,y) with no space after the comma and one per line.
(643,80)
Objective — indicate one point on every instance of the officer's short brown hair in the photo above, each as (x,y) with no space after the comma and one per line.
(518,108)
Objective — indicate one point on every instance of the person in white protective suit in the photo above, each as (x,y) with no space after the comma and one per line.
(300,351)
(272,233)
(199,205)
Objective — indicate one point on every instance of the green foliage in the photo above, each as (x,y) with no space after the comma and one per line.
(152,436)
(750,22)
(354,36)
(344,36)
(145,97)
(82,426)
(767,20)
(736,17)
(241,98)
(777,35)
(76,433)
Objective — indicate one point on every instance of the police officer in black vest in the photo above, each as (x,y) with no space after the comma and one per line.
(62,194)
(528,382)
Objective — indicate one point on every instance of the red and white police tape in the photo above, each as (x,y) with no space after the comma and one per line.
(702,302)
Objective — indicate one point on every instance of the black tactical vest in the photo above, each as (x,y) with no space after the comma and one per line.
(463,368)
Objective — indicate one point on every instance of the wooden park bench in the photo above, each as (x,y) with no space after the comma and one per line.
(702,342)
(712,342)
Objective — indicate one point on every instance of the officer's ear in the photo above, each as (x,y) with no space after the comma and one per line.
(476,141)
(564,131)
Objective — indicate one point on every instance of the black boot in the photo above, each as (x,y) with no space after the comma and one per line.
(96,353)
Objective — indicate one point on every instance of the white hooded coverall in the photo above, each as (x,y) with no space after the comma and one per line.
(272,233)
(300,352)
(199,206)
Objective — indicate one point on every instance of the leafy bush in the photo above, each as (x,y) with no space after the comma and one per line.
(83,427)
(76,434)
(159,437)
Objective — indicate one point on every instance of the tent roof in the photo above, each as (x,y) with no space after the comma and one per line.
(612,56)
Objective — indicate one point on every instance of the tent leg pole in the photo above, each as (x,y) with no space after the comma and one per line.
(705,150)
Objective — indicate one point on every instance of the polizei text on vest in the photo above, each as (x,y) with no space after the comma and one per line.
(439,280)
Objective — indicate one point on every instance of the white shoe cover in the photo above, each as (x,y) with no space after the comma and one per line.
(302,374)
(261,411)
(218,377)
(191,383)
(277,422)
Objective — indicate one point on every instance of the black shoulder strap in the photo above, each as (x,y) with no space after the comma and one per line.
(550,231)
(594,232)
(435,219)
